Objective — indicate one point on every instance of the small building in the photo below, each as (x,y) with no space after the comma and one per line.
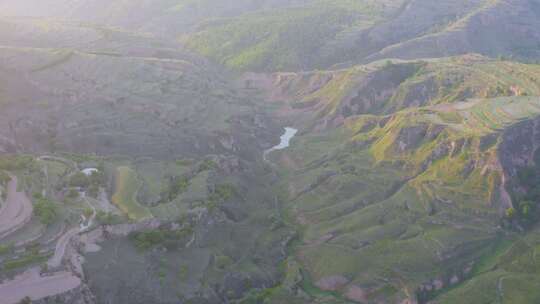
(89,171)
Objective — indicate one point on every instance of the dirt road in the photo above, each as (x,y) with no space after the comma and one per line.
(56,260)
(60,249)
(16,211)
(31,284)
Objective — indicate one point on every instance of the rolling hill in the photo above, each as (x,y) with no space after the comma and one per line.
(98,90)
(412,178)
(323,34)
(410,202)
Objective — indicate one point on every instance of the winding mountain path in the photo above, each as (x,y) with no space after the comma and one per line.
(14,214)
(60,249)
(16,211)
(32,284)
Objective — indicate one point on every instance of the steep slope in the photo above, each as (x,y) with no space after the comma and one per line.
(290,39)
(341,33)
(394,208)
(326,98)
(412,180)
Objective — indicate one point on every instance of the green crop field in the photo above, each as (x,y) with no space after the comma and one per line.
(126,187)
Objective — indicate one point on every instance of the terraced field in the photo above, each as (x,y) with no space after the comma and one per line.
(496,115)
(125,194)
(385,87)
(409,203)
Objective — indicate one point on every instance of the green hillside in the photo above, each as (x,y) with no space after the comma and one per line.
(288,39)
(322,34)
(412,175)
(385,87)
(407,201)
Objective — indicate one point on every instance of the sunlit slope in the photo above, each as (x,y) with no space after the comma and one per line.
(289,39)
(323,34)
(311,34)
(403,199)
(388,86)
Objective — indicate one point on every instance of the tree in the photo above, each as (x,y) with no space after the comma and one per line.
(96,178)
(79,179)
(388,64)
(104,217)
(45,210)
(26,300)
(525,208)
(44,268)
(72,194)
(207,165)
(7,248)
(17,162)
(347,111)
(224,191)
(4,178)
(93,191)
(88,212)
(510,213)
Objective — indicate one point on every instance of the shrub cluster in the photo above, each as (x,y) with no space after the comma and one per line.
(167,238)
(45,209)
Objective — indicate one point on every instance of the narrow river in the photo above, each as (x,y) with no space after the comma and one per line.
(285,141)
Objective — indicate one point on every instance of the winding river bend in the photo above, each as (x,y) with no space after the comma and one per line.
(285,141)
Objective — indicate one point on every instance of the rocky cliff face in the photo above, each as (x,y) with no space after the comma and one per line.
(519,157)
(519,146)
